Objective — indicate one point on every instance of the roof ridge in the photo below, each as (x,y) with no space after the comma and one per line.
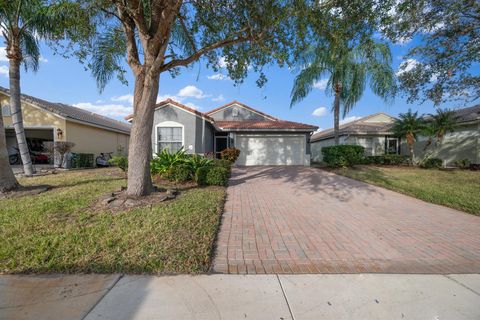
(244,106)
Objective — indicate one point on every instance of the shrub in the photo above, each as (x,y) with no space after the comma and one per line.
(165,161)
(475,166)
(431,163)
(463,164)
(230,154)
(181,173)
(394,159)
(374,160)
(121,162)
(201,175)
(343,155)
(82,160)
(196,161)
(217,176)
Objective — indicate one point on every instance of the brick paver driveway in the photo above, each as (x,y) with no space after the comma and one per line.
(305,220)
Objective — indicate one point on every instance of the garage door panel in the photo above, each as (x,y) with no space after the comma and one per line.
(270,150)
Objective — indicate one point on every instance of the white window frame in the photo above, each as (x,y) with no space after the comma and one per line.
(169,124)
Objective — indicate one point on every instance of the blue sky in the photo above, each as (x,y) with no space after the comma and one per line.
(67,81)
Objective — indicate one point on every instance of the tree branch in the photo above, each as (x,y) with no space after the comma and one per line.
(223,43)
(133,59)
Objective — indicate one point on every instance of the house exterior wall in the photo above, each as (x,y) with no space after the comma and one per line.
(374,145)
(197,132)
(94,140)
(464,143)
(243,114)
(34,117)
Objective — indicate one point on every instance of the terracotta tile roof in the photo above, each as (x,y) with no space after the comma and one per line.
(259,125)
(243,106)
(74,113)
(181,106)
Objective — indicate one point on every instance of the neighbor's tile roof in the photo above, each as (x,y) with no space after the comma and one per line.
(468,114)
(356,127)
(259,125)
(74,113)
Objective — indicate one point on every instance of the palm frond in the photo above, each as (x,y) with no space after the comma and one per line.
(30,50)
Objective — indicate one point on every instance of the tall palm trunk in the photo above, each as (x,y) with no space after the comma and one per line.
(410,142)
(7,178)
(15,57)
(336,113)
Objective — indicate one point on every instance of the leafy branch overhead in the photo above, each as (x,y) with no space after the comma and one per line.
(135,32)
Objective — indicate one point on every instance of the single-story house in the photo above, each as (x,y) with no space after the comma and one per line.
(372,132)
(463,143)
(47,121)
(261,138)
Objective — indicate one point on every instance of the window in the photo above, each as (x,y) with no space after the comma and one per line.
(6,110)
(235,112)
(170,138)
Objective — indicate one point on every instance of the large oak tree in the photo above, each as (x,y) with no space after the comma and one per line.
(158,36)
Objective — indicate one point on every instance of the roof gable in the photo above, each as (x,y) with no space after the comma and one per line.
(236,104)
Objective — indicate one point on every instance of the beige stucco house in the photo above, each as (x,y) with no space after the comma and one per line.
(374,133)
(47,121)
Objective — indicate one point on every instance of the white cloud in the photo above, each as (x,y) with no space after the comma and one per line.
(318,130)
(4,70)
(319,112)
(192,105)
(222,63)
(42,59)
(192,92)
(108,110)
(403,40)
(349,119)
(218,76)
(3,54)
(220,97)
(321,84)
(127,98)
(406,66)
(169,96)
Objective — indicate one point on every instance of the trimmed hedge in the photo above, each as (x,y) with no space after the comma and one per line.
(201,175)
(431,163)
(343,155)
(217,176)
(82,160)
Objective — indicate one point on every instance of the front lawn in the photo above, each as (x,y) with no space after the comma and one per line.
(456,189)
(58,231)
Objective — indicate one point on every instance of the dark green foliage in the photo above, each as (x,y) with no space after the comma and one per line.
(181,173)
(217,176)
(230,154)
(82,160)
(431,163)
(196,161)
(463,163)
(443,65)
(164,161)
(343,155)
(201,175)
(119,161)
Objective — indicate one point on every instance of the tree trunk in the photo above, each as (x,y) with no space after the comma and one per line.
(139,153)
(410,146)
(7,178)
(15,106)
(336,115)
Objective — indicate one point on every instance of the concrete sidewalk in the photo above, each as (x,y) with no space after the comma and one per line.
(349,296)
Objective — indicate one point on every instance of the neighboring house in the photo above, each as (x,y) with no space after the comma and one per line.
(47,121)
(463,143)
(373,132)
(261,138)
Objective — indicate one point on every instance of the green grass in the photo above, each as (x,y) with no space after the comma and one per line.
(56,231)
(456,189)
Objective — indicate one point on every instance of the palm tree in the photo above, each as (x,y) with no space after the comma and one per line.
(443,121)
(348,69)
(408,126)
(22,23)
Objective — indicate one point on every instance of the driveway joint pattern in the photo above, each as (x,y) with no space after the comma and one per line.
(305,220)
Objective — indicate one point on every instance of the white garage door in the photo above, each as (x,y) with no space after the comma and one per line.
(270,150)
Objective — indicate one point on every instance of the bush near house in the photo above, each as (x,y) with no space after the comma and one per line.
(82,160)
(387,159)
(343,155)
(217,176)
(121,162)
(431,163)
(463,164)
(230,154)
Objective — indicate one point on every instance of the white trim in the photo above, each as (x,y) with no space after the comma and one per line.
(187,111)
(267,130)
(238,105)
(168,124)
